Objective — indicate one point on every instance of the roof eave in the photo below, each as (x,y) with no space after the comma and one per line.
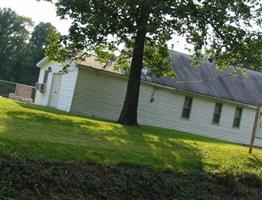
(42,62)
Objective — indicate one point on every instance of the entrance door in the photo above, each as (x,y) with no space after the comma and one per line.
(53,99)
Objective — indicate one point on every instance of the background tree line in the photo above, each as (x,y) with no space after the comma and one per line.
(21,46)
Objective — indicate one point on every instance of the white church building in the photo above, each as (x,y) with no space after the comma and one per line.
(200,100)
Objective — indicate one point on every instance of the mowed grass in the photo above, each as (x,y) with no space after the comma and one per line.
(29,131)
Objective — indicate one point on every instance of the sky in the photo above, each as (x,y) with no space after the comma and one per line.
(45,12)
(38,11)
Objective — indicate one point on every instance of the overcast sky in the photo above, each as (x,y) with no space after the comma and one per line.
(38,11)
(45,12)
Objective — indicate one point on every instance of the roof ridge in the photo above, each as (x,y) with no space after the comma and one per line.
(206,59)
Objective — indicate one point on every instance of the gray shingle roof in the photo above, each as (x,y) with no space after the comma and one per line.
(219,84)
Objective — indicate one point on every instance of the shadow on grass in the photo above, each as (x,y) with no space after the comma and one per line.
(57,112)
(50,136)
(167,133)
(254,161)
(53,135)
(164,132)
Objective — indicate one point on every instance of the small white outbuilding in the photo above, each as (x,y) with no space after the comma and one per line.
(201,100)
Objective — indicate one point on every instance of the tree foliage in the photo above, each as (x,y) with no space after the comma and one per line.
(36,49)
(227,31)
(20,50)
(13,37)
(222,29)
(156,58)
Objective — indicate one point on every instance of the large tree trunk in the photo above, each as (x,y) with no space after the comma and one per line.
(129,111)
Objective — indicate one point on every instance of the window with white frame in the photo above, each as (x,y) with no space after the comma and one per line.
(217,113)
(237,118)
(46,76)
(187,107)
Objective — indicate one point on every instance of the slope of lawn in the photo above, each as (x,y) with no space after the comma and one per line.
(37,133)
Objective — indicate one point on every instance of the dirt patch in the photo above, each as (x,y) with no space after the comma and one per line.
(27,179)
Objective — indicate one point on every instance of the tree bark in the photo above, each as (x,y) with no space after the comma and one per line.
(129,111)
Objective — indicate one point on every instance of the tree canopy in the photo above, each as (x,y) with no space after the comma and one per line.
(36,49)
(228,32)
(20,49)
(13,36)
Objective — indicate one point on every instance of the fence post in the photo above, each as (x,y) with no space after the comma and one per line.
(254,129)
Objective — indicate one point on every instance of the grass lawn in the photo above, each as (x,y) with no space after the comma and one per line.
(32,132)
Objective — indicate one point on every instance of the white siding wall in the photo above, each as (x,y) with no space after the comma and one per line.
(98,95)
(101,95)
(66,90)
(43,98)
(166,112)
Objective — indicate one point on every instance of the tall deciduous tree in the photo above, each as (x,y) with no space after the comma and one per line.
(36,50)
(14,35)
(228,32)
(39,40)
(20,50)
